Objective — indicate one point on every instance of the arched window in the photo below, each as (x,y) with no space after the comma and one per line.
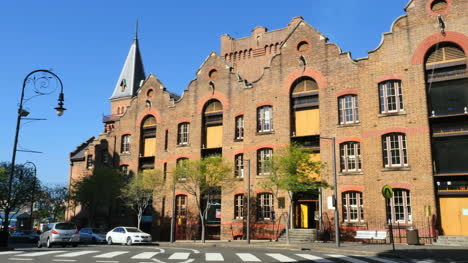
(181,206)
(212,125)
(399,207)
(304,100)
(125,143)
(239,165)
(395,153)
(239,206)
(350,153)
(183,133)
(265,206)
(348,109)
(239,128)
(263,155)
(390,96)
(353,206)
(265,119)
(148,134)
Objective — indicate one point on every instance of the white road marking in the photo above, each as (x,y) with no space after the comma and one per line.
(179,255)
(384,260)
(76,254)
(10,252)
(214,257)
(314,258)
(64,260)
(106,261)
(20,259)
(345,258)
(36,254)
(281,257)
(111,254)
(145,255)
(247,257)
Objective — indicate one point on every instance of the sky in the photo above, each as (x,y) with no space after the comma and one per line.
(86,42)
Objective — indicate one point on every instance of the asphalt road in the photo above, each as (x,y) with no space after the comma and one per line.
(147,254)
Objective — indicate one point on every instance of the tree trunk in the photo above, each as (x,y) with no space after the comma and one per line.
(202,226)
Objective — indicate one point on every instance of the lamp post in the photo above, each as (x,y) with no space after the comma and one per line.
(335,189)
(41,81)
(32,194)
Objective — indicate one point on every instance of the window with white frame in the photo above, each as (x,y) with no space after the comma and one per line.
(399,207)
(353,207)
(394,150)
(125,144)
(263,155)
(89,162)
(390,96)
(183,133)
(264,206)
(181,206)
(239,132)
(348,109)
(239,168)
(265,119)
(239,206)
(124,169)
(350,157)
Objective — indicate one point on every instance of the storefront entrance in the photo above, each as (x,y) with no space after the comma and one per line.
(305,210)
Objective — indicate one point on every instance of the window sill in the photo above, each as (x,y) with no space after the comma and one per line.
(388,114)
(182,145)
(390,169)
(239,178)
(357,223)
(239,140)
(351,173)
(344,125)
(265,132)
(125,153)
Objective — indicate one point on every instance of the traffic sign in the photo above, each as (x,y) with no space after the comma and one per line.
(387,191)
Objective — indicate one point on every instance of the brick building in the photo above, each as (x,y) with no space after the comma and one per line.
(399,116)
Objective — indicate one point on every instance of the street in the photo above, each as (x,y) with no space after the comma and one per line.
(143,254)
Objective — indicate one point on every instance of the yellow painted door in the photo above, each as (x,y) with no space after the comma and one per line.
(149,147)
(454,215)
(214,136)
(304,216)
(307,122)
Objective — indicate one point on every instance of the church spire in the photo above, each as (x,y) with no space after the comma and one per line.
(132,72)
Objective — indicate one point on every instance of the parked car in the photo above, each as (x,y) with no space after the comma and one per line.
(25,235)
(127,235)
(59,234)
(92,235)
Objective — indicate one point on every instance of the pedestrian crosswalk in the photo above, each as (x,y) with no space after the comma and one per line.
(193,256)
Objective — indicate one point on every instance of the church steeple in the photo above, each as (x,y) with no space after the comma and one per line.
(132,72)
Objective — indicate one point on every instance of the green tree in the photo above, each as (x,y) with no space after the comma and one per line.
(22,187)
(292,170)
(141,190)
(203,177)
(97,191)
(52,203)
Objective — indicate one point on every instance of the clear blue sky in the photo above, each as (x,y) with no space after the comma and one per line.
(86,42)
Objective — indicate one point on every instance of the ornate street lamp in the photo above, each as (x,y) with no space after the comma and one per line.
(43,82)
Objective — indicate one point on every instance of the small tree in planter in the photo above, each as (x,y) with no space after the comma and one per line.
(292,170)
(203,177)
(141,190)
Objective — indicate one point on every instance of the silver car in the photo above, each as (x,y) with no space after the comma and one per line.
(59,234)
(92,235)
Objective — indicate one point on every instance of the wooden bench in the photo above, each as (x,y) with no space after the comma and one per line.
(371,235)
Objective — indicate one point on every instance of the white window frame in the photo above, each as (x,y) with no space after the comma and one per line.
(239,165)
(183,133)
(394,146)
(350,208)
(239,206)
(265,118)
(265,206)
(403,196)
(396,98)
(348,106)
(350,153)
(239,124)
(263,155)
(125,146)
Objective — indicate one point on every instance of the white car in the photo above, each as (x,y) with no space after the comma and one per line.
(127,235)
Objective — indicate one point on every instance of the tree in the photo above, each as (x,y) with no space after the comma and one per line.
(22,187)
(141,189)
(292,170)
(52,203)
(204,177)
(97,190)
